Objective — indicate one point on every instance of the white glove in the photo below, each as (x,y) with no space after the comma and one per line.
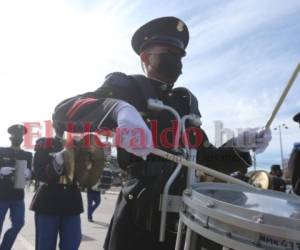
(253,139)
(4,171)
(132,133)
(27,173)
(263,139)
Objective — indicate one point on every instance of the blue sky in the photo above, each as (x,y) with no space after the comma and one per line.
(240,56)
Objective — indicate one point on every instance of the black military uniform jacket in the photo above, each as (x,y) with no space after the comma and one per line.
(53,198)
(136,218)
(294,166)
(8,157)
(96,109)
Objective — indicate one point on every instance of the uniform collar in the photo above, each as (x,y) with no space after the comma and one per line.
(161,86)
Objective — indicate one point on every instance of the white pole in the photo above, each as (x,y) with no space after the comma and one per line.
(281,150)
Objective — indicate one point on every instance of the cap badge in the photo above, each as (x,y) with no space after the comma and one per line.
(180,26)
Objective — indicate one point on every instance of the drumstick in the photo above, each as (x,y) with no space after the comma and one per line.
(190,164)
(283,95)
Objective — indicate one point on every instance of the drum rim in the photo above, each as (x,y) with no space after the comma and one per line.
(221,239)
(235,187)
(193,200)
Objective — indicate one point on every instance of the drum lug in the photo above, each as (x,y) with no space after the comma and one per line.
(206,225)
(188,192)
(130,197)
(210,204)
(228,234)
(259,219)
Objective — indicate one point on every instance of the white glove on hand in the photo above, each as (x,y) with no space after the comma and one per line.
(27,173)
(4,171)
(132,133)
(253,139)
(263,139)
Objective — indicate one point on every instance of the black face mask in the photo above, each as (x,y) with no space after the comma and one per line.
(170,66)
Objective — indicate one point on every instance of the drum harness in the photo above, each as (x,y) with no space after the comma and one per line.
(189,158)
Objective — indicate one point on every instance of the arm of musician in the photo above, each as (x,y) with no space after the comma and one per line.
(46,167)
(293,171)
(223,159)
(94,108)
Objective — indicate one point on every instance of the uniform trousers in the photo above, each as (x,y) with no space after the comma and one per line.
(48,227)
(93,200)
(17,214)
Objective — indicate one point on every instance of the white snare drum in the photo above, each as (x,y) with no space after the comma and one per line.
(240,218)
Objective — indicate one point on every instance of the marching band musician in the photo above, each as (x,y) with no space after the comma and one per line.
(93,200)
(57,204)
(294,163)
(121,104)
(12,198)
(277,182)
(296,118)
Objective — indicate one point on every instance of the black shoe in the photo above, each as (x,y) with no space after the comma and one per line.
(90,220)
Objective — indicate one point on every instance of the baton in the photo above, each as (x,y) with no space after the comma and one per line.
(181,160)
(283,95)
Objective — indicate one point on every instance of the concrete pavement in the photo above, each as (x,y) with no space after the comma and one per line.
(93,233)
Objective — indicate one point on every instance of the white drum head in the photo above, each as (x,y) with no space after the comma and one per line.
(270,202)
